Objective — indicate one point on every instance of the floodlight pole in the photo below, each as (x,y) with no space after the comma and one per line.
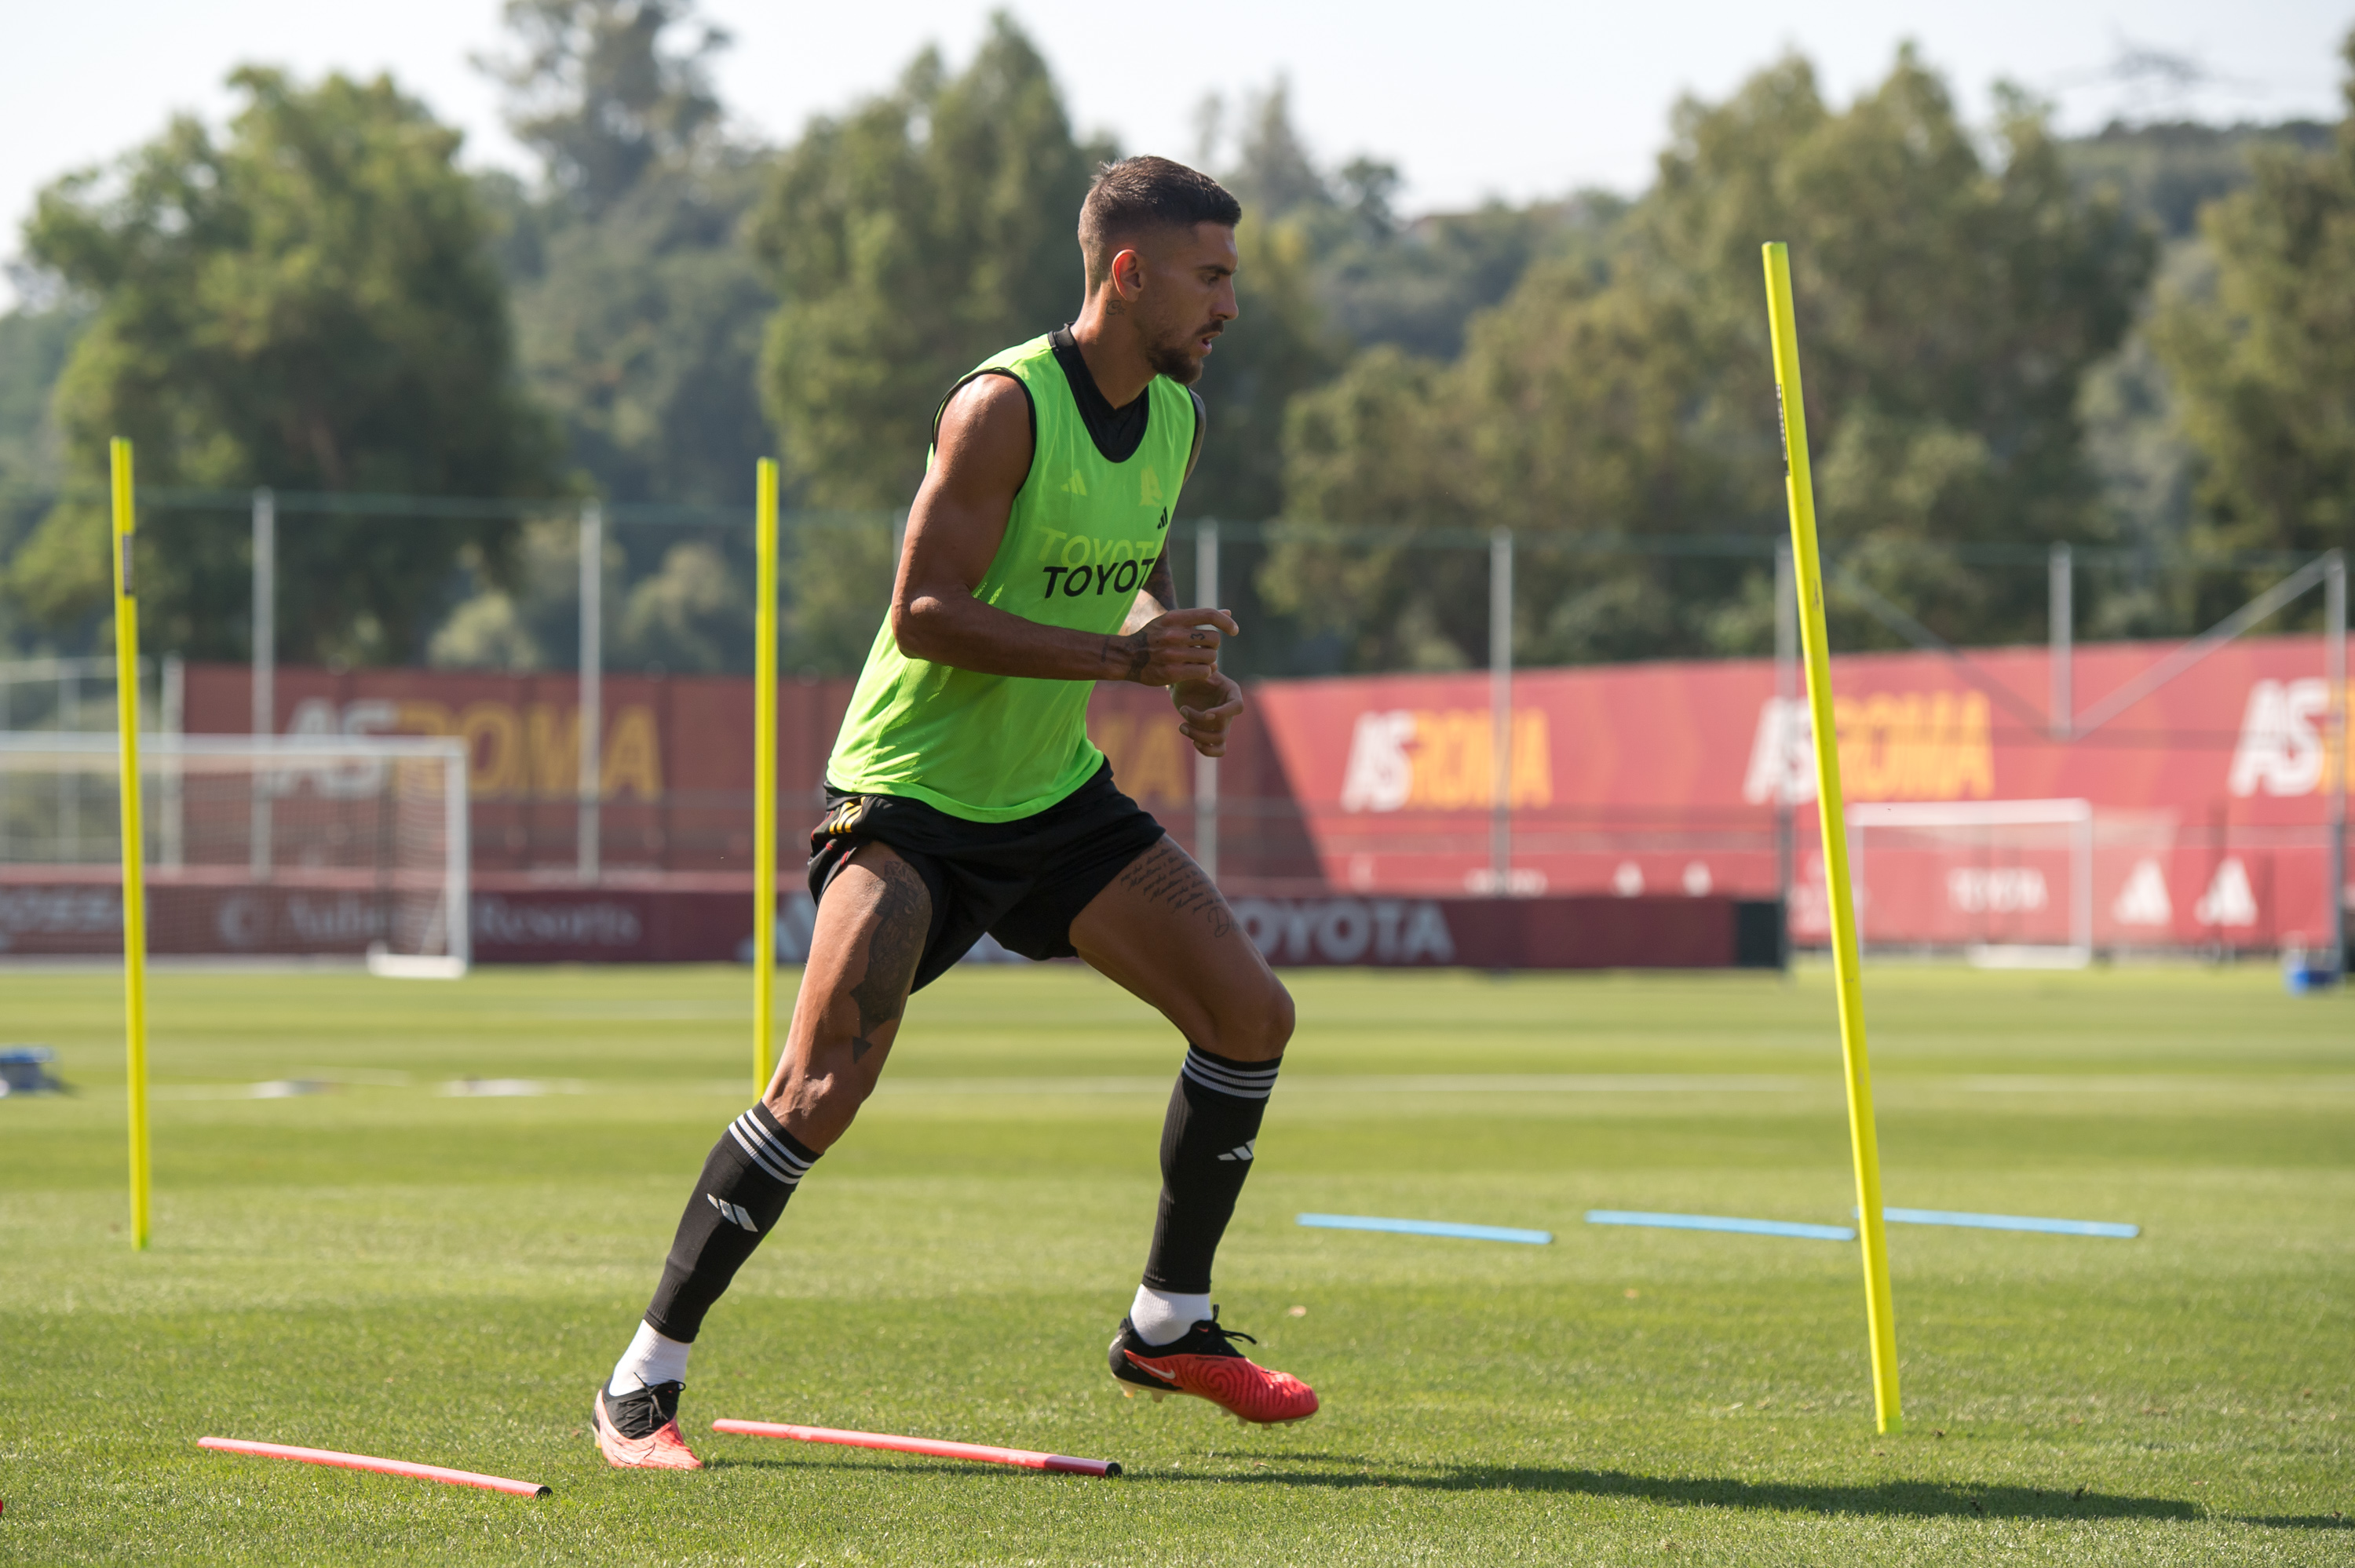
(2062,578)
(2334,771)
(1864,1142)
(265,669)
(1206,768)
(1500,712)
(592,685)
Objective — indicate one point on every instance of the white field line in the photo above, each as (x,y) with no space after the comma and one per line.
(1310,1083)
(1382,1083)
(2143,1083)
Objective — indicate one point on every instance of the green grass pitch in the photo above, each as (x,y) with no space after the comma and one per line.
(400,1270)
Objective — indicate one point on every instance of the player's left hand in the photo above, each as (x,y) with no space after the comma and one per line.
(1207,708)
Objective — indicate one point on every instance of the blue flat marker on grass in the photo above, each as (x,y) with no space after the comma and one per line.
(1720,1222)
(1426,1228)
(2011,1223)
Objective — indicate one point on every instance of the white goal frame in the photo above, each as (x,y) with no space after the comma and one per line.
(2074,814)
(174,756)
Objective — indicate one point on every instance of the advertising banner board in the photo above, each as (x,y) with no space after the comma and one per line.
(2203,806)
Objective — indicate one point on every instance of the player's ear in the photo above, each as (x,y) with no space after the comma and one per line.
(1128,274)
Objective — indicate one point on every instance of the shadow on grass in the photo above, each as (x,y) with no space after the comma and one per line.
(1916,1499)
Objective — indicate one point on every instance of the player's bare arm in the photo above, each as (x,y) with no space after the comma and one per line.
(981,458)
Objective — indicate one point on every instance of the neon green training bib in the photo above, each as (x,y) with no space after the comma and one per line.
(1082,537)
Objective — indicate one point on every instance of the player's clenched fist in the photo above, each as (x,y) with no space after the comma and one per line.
(1208,706)
(1182,645)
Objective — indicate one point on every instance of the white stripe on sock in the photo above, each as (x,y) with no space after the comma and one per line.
(1244,1083)
(768,1153)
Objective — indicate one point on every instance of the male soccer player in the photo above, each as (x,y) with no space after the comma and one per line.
(965,798)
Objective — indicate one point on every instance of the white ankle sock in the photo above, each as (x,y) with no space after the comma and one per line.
(650,1360)
(1162,1316)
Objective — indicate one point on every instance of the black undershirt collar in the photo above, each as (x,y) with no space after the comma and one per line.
(1117,432)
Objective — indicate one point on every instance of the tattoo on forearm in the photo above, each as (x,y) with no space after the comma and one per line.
(1161,584)
(894,944)
(1166,875)
(1139,651)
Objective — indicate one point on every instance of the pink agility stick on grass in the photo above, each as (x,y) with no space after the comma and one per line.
(1026,1457)
(381,1466)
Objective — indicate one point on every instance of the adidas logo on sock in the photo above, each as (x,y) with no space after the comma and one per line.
(736,1216)
(1241,1151)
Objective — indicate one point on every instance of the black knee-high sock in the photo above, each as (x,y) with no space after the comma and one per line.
(746,1179)
(1206,1151)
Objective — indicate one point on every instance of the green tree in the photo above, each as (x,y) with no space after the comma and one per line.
(308,304)
(1279,346)
(2169,172)
(35,339)
(641,333)
(598,95)
(638,303)
(1949,307)
(2263,358)
(638,309)
(2165,173)
(1419,284)
(925,230)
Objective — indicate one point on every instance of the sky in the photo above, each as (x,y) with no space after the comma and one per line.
(1474,99)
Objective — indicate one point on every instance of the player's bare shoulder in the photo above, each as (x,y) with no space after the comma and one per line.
(986,434)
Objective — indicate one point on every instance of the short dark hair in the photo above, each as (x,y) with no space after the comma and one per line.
(1147,193)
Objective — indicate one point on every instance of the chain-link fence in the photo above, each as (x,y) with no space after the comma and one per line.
(1435,711)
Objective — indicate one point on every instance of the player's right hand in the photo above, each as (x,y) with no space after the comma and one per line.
(1177,646)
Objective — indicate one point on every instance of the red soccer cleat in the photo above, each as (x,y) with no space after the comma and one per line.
(1205,1363)
(640,1431)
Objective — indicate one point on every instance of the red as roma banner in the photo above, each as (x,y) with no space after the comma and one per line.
(2203,805)
(2195,818)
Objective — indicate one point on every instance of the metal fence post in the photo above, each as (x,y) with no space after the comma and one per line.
(458,859)
(1206,768)
(592,685)
(2063,610)
(1500,712)
(265,671)
(172,779)
(2334,772)
(68,780)
(1787,692)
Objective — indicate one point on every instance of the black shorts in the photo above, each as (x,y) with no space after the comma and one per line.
(1022,882)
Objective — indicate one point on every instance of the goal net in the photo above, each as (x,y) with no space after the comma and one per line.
(293,847)
(2009,882)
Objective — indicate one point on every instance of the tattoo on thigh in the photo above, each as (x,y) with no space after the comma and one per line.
(1167,877)
(894,944)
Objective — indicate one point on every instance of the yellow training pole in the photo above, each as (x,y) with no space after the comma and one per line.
(1879,1315)
(134,871)
(764,781)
